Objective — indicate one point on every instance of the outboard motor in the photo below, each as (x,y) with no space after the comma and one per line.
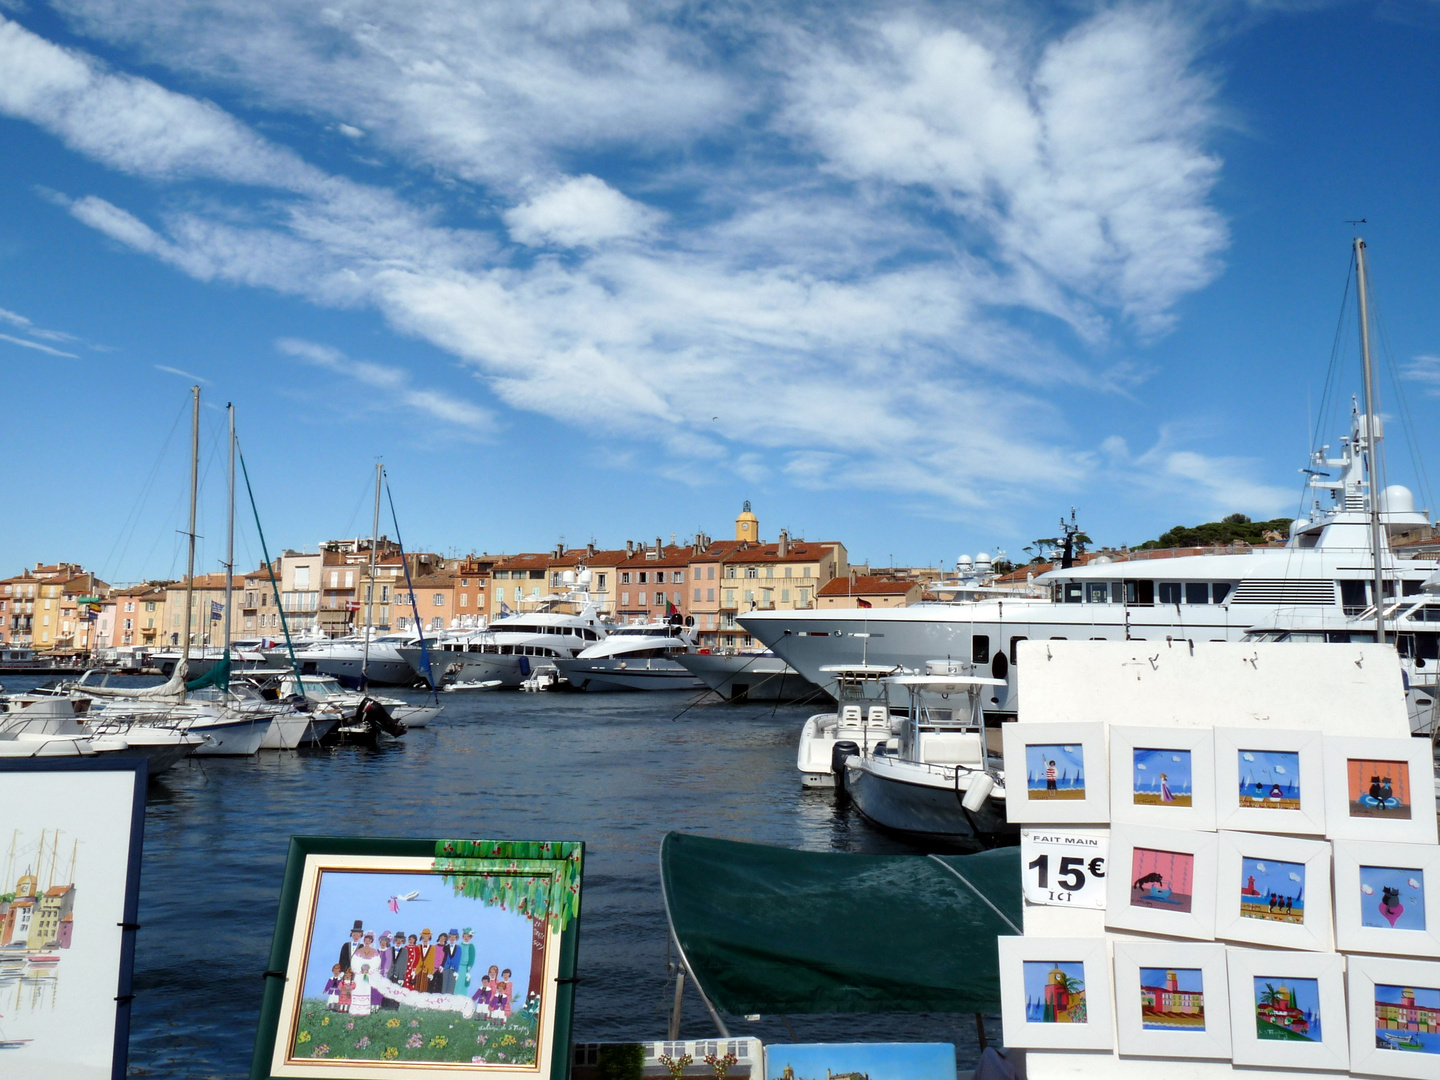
(371,712)
(838,753)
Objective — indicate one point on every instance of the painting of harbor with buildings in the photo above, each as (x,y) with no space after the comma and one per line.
(1172,999)
(37,916)
(1054,992)
(1162,777)
(1407,1018)
(1055,771)
(1287,1010)
(1270,779)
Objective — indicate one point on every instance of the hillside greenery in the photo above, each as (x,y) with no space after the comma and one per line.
(1226,531)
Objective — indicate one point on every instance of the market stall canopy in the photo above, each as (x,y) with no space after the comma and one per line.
(770,930)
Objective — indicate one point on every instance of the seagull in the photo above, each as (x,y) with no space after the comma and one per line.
(394,902)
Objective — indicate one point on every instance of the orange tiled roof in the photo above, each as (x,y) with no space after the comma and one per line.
(867,586)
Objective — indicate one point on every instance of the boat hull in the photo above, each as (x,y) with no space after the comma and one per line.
(919,801)
(750,678)
(286,731)
(482,667)
(610,674)
(232,738)
(378,671)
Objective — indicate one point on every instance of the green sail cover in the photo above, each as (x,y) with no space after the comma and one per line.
(218,675)
(771,930)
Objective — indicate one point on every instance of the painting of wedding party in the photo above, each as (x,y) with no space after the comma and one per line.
(401,967)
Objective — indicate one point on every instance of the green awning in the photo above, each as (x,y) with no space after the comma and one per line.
(770,930)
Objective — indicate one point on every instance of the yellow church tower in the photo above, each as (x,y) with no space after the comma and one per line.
(747,526)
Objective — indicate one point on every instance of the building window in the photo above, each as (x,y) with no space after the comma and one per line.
(302,577)
(334,579)
(710,573)
(642,577)
(749,596)
(784,596)
(730,596)
(678,577)
(659,599)
(437,623)
(129,605)
(384,594)
(807,571)
(625,599)
(601,579)
(752,572)
(438,600)
(401,623)
(709,596)
(129,624)
(464,599)
(625,577)
(697,596)
(729,571)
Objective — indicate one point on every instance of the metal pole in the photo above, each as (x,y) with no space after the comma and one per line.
(190,560)
(370,595)
(1372,441)
(229,537)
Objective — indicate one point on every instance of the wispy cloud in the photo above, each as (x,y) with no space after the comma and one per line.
(1425,370)
(437,406)
(182,374)
(36,346)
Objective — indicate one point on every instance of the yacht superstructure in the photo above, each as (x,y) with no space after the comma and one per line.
(640,657)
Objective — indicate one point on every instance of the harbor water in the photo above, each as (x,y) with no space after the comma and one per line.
(617,771)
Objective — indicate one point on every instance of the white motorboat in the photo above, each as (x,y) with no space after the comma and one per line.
(541,679)
(327,691)
(757,675)
(934,777)
(860,721)
(454,687)
(641,657)
(56,714)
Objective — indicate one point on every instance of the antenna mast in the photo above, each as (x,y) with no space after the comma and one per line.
(1372,440)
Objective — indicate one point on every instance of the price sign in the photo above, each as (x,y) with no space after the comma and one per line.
(1064,868)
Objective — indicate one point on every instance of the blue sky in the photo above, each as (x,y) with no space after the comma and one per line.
(918,277)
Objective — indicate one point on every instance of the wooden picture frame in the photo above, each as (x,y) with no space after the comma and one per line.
(388,1015)
(1161,881)
(1163,777)
(1387,898)
(77,828)
(1172,999)
(1380,772)
(1273,890)
(1395,1002)
(1056,773)
(1041,1004)
(1287,1009)
(1283,781)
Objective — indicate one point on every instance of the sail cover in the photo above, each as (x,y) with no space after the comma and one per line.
(770,930)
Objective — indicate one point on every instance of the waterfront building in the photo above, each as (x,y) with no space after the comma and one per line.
(604,574)
(433,596)
(472,589)
(519,578)
(16,926)
(1406,1014)
(864,590)
(137,614)
(652,583)
(259,614)
(51,908)
(1170,1000)
(207,607)
(17,606)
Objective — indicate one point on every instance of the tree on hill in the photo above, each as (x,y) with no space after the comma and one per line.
(1236,527)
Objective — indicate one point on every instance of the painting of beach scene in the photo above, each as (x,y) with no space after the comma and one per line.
(1287,1010)
(1055,771)
(1162,777)
(1272,890)
(1172,999)
(1407,1019)
(1054,992)
(866,1061)
(1164,880)
(1392,898)
(1270,779)
(1378,789)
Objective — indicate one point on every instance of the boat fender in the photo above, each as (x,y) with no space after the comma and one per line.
(838,753)
(980,787)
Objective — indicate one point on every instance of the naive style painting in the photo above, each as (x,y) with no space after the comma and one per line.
(1287,1010)
(1378,789)
(1055,771)
(1392,898)
(860,1061)
(1162,777)
(447,963)
(1161,879)
(1270,779)
(1172,999)
(1407,1018)
(1272,890)
(1054,992)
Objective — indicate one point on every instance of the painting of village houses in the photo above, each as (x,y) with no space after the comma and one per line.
(1407,1018)
(1287,1009)
(1054,992)
(1172,999)
(36,916)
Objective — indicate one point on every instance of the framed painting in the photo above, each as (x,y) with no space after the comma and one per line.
(1387,898)
(1056,773)
(405,958)
(1269,781)
(72,833)
(1172,999)
(1273,890)
(1055,993)
(1161,881)
(1380,789)
(1287,1009)
(875,1061)
(1162,776)
(1394,1016)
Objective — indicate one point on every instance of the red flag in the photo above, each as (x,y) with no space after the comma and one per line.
(863,603)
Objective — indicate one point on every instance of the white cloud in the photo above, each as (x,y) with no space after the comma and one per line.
(578,212)
(1425,370)
(181,373)
(36,346)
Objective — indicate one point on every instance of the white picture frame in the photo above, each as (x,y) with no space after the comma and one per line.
(1267,866)
(1056,801)
(1311,990)
(1088,957)
(1347,821)
(1143,761)
(1148,1025)
(1368,1026)
(1361,908)
(1161,881)
(1284,777)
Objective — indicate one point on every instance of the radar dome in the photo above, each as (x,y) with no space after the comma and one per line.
(1397,499)
(983,557)
(963,560)
(568,577)
(1297,525)
(584,577)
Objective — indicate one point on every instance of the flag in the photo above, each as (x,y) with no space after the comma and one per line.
(217,611)
(504,608)
(352,605)
(671,609)
(863,603)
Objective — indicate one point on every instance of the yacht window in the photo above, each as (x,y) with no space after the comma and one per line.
(1197,592)
(1059,638)
(1140,592)
(1429,613)
(1074,592)
(1218,591)
(1169,592)
(1410,588)
(1427,647)
(1353,597)
(980,649)
(1097,592)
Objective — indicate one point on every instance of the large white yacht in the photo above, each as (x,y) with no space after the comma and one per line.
(640,657)
(1327,565)
(384,664)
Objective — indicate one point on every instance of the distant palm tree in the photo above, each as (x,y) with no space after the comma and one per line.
(1074,986)
(1270,995)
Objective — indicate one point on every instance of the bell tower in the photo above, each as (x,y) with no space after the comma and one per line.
(747,526)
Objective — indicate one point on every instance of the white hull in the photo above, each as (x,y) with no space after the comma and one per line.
(652,673)
(228,737)
(817,745)
(922,800)
(286,731)
(750,678)
(379,671)
(415,716)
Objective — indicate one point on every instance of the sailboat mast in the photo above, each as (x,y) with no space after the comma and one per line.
(229,537)
(190,558)
(1372,440)
(370,595)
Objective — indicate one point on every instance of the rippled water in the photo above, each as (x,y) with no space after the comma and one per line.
(614,770)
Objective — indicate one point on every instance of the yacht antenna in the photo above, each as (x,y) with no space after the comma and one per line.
(190,558)
(1372,440)
(370,596)
(229,549)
